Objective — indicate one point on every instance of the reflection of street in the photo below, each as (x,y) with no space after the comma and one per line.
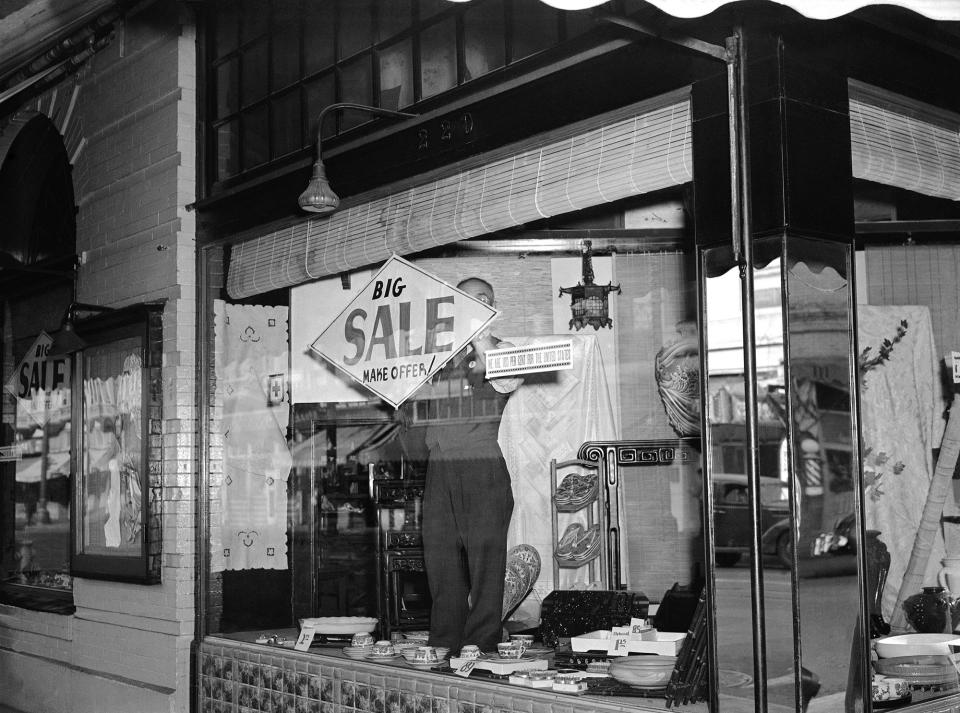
(50,544)
(829,605)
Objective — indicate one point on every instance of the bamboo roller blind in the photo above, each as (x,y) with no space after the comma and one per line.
(634,150)
(900,142)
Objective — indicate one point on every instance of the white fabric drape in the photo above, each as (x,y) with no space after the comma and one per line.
(902,417)
(546,419)
(251,347)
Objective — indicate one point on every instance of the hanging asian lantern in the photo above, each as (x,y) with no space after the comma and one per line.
(589,303)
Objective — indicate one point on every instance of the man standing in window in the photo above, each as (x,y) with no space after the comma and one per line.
(468,499)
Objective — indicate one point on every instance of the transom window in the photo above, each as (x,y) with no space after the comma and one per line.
(274,66)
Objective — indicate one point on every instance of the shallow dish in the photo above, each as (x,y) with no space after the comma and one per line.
(427,664)
(379,657)
(538,651)
(496,659)
(643,671)
(920,670)
(916,645)
(341,624)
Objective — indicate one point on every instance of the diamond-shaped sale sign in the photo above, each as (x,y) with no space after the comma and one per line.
(401,329)
(41,384)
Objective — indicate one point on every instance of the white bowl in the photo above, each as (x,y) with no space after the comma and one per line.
(643,671)
(915,645)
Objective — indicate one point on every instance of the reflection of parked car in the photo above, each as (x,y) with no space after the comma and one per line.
(731,519)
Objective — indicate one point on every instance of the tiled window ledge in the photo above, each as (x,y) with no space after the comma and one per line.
(240,677)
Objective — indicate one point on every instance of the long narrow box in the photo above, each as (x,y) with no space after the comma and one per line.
(667,643)
(502,667)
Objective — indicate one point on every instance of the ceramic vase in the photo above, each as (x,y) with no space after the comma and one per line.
(931,611)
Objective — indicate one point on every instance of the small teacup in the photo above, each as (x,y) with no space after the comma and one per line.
(511,650)
(383,648)
(470,652)
(525,639)
(363,639)
(889,689)
(425,654)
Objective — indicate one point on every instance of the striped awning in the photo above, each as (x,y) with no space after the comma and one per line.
(900,142)
(816,9)
(635,150)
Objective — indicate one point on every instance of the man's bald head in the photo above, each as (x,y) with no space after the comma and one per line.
(480,289)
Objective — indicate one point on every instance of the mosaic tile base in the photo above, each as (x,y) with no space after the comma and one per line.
(237,677)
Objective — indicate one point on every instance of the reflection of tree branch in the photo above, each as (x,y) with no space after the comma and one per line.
(883,353)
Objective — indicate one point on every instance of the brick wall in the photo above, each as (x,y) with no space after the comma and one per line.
(128,121)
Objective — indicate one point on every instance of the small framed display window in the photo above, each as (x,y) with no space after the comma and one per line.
(117,446)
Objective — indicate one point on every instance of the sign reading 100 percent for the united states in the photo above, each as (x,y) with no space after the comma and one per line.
(402,327)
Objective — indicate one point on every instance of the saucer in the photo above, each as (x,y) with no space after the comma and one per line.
(381,657)
(537,652)
(356,652)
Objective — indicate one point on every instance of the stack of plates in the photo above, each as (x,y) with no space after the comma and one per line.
(341,624)
(358,652)
(426,664)
(919,670)
(575,491)
(578,544)
(644,672)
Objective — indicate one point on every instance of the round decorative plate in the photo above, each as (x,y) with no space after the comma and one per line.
(523,568)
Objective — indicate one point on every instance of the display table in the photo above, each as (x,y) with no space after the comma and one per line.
(240,676)
(237,675)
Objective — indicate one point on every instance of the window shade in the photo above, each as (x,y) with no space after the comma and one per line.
(900,142)
(635,150)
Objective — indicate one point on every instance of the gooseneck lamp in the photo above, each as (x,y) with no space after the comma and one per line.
(66,341)
(319,197)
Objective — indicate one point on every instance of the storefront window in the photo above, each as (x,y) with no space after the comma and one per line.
(803,329)
(36,461)
(36,287)
(330,493)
